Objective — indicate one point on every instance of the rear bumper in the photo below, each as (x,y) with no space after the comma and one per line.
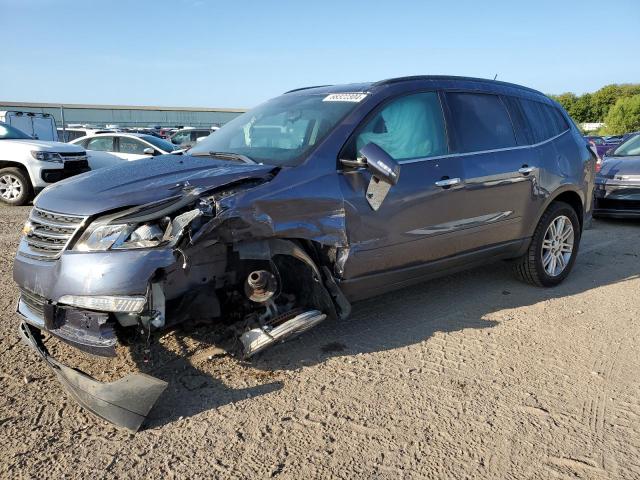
(125,402)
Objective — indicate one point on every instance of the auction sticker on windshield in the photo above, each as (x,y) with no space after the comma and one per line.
(345,97)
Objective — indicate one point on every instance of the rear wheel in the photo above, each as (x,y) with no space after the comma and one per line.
(15,187)
(553,248)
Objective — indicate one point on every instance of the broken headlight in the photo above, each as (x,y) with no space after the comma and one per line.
(123,236)
(102,235)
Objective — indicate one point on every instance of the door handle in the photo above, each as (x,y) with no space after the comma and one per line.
(526,170)
(448,182)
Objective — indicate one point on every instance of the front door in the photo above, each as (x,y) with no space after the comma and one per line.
(413,223)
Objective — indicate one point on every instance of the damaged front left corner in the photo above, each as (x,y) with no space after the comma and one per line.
(203,254)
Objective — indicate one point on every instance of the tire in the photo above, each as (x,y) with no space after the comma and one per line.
(15,186)
(538,267)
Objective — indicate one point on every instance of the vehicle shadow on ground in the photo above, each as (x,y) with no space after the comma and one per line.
(392,321)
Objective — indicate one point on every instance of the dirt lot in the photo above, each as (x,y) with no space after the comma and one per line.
(475,375)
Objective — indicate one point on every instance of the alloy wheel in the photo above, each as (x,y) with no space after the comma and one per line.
(10,187)
(557,246)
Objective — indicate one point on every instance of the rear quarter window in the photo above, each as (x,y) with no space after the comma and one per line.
(480,122)
(545,121)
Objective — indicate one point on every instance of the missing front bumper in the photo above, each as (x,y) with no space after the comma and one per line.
(85,330)
(125,402)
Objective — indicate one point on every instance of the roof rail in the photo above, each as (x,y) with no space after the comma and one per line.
(390,81)
(306,88)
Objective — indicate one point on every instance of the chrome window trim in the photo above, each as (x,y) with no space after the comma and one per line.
(481,152)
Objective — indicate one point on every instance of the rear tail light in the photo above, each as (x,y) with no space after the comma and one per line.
(598,165)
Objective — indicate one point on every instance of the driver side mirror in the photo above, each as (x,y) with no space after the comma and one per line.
(149,151)
(385,172)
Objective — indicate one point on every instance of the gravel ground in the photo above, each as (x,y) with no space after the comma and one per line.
(471,376)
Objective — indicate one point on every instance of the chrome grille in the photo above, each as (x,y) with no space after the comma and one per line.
(47,234)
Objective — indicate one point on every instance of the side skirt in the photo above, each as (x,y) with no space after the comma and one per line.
(378,283)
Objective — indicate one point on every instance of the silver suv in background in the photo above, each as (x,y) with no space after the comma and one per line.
(27,165)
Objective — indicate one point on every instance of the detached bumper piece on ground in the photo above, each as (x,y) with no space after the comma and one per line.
(125,402)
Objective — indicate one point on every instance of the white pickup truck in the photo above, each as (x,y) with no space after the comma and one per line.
(27,165)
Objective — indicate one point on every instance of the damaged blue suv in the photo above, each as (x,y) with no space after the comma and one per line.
(293,210)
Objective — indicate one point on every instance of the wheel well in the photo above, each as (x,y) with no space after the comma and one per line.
(7,163)
(573,199)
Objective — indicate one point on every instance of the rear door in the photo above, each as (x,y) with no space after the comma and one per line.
(414,222)
(500,174)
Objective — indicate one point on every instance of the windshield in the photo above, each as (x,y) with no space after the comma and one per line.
(7,132)
(281,131)
(629,148)
(160,143)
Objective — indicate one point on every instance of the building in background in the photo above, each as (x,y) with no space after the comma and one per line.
(128,115)
(591,126)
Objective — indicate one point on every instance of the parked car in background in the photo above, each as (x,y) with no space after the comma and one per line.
(613,140)
(39,126)
(28,165)
(188,137)
(166,132)
(617,191)
(107,149)
(70,134)
(599,144)
(320,197)
(143,131)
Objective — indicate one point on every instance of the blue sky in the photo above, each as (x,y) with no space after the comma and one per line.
(238,53)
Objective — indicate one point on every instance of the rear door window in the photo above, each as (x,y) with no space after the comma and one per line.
(408,127)
(131,145)
(524,135)
(480,122)
(101,144)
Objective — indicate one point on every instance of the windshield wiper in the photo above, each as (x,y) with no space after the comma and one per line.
(234,157)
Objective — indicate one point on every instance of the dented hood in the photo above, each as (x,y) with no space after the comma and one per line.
(142,181)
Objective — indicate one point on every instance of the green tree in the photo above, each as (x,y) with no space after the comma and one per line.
(624,116)
(567,100)
(602,100)
(582,110)
(594,107)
